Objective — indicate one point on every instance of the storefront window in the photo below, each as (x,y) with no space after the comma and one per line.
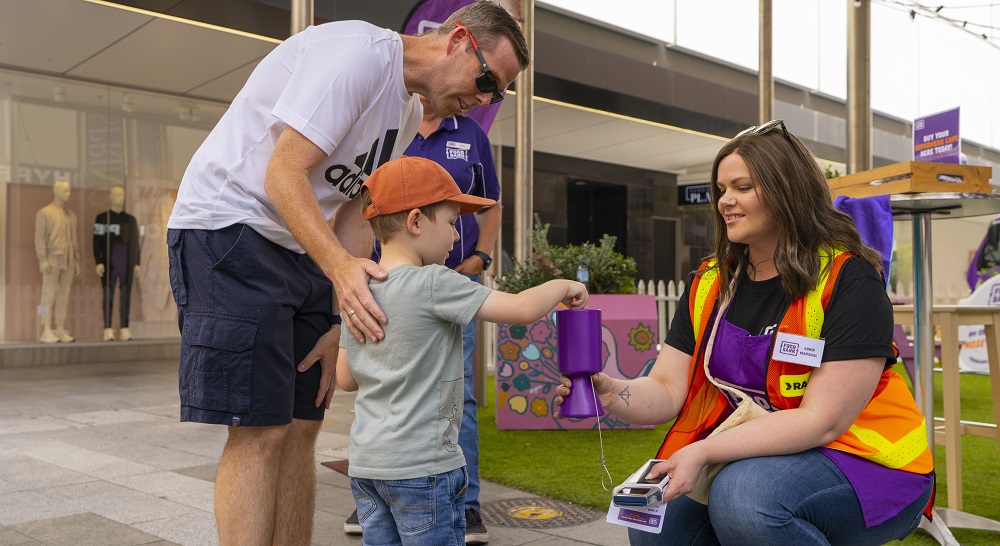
(92,138)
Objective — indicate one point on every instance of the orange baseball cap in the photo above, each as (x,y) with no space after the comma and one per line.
(409,183)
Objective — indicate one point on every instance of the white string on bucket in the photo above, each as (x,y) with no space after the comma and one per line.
(600,439)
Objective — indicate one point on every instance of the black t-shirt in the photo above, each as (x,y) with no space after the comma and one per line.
(858,321)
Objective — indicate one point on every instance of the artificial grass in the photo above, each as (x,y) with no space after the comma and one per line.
(566,464)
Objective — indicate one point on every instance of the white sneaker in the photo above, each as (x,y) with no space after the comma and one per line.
(109,334)
(48,336)
(64,336)
(125,334)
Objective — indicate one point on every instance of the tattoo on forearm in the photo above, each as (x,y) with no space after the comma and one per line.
(624,395)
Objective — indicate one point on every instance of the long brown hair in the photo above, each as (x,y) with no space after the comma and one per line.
(795,196)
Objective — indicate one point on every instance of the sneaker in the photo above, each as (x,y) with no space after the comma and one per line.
(125,334)
(475,531)
(48,336)
(351,525)
(63,336)
(109,334)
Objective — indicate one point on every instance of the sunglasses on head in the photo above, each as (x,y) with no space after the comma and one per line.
(485,82)
(765,128)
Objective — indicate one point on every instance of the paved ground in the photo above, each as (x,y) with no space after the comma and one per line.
(93,454)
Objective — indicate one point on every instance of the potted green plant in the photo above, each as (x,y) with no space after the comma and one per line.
(610,272)
(527,370)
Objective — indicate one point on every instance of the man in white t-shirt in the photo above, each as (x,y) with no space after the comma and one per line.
(254,263)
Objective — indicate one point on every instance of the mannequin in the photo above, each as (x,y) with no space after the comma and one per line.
(157,301)
(116,251)
(59,261)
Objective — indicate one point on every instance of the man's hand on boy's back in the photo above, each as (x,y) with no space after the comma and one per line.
(350,274)
(532,304)
(358,309)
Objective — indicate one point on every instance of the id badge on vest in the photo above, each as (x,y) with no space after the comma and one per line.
(797,349)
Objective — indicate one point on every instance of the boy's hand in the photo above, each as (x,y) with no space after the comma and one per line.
(576,295)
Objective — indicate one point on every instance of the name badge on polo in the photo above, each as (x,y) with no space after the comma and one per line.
(798,349)
(457,150)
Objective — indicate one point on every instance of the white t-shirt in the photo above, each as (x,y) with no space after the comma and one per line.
(340,85)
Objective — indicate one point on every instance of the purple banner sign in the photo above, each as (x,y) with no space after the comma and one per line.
(935,138)
(427,15)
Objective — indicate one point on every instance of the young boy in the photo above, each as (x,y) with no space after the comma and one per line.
(407,470)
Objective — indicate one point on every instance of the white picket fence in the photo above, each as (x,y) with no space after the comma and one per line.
(667,294)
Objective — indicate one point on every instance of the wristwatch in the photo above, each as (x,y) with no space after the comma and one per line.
(487,261)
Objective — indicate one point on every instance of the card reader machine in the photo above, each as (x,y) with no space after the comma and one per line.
(637,491)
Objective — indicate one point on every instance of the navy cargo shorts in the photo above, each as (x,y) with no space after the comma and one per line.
(249,311)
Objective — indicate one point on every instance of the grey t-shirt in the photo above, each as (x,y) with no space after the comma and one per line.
(408,410)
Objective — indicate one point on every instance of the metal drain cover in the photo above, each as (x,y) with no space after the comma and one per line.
(536,513)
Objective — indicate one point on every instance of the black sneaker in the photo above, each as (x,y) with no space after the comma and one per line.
(351,525)
(475,531)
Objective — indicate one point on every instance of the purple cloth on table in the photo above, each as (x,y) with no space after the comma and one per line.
(873,218)
(983,267)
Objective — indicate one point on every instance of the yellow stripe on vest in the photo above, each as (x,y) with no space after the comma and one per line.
(704,285)
(893,455)
(814,300)
(794,385)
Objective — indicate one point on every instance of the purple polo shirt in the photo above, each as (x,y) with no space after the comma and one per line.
(461,146)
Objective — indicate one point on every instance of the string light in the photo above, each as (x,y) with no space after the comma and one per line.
(914,9)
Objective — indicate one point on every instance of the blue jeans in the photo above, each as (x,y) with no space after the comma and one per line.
(468,435)
(786,500)
(417,512)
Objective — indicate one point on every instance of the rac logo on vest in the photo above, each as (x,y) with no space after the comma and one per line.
(793,386)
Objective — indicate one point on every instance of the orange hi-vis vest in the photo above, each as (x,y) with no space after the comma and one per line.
(890,431)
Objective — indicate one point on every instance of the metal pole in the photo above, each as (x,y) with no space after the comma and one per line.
(765,79)
(487,336)
(302,15)
(859,116)
(923,326)
(524,130)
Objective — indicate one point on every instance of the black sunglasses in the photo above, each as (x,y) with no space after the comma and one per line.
(485,82)
(765,128)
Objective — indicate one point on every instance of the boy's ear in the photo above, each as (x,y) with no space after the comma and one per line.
(413,219)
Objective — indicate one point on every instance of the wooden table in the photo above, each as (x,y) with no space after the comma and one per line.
(949,318)
(921,207)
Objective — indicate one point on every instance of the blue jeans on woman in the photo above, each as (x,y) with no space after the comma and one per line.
(781,500)
(412,512)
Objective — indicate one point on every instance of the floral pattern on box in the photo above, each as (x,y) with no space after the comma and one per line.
(527,369)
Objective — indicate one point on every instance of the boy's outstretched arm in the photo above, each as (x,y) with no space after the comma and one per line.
(532,304)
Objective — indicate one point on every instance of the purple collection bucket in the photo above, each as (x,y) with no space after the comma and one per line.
(579,334)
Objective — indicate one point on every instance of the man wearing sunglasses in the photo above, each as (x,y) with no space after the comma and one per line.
(254,264)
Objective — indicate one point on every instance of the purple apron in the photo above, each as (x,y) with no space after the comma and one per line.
(740,360)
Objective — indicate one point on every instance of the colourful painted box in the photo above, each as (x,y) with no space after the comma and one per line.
(528,364)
